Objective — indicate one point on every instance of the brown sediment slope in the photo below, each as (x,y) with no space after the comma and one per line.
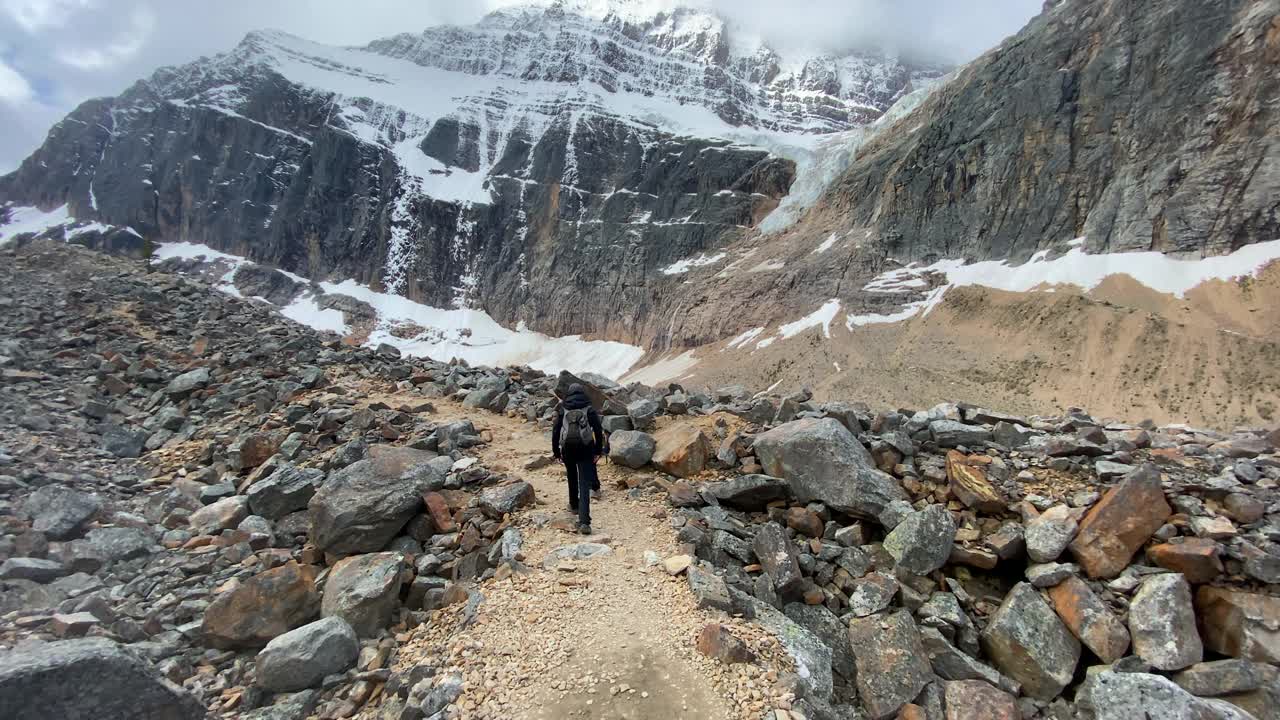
(1121,350)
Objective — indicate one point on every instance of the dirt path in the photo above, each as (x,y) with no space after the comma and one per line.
(607,637)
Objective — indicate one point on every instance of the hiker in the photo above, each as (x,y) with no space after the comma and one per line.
(577,440)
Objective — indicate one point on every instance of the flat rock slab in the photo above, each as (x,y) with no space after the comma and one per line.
(578,551)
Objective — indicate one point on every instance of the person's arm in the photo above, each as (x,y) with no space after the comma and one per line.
(593,417)
(555,433)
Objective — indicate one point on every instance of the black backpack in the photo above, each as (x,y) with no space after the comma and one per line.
(575,430)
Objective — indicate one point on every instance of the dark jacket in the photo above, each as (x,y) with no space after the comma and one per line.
(576,400)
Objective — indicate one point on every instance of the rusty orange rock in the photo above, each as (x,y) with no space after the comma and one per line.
(1195,558)
(1089,619)
(1239,624)
(969,483)
(438,510)
(1121,523)
(681,450)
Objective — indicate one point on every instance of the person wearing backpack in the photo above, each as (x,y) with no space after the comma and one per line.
(577,440)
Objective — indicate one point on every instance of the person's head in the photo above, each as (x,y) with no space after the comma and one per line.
(576,389)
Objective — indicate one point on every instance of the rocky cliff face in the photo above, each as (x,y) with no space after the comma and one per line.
(1137,126)
(546,160)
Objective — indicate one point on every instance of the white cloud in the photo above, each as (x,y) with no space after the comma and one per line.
(13,87)
(123,47)
(36,15)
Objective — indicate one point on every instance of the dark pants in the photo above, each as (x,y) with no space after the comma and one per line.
(580,469)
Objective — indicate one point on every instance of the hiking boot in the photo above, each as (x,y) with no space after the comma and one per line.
(595,494)
(584,529)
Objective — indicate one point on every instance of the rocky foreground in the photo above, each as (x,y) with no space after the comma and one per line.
(208,509)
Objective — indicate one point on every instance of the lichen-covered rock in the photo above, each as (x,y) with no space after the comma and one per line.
(921,543)
(749,492)
(1162,623)
(1240,624)
(631,448)
(1026,641)
(1089,619)
(892,664)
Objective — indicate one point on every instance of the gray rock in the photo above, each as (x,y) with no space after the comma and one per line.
(1050,574)
(188,382)
(302,657)
(502,500)
(364,590)
(60,512)
(1027,642)
(709,589)
(1048,535)
(1123,696)
(631,448)
(123,442)
(361,507)
(1162,623)
(779,559)
(824,462)
(643,413)
(828,628)
(949,434)
(872,594)
(288,489)
(120,543)
(615,424)
(446,691)
(577,551)
(1222,677)
(893,666)
(812,657)
(36,570)
(949,663)
(921,543)
(91,679)
(749,492)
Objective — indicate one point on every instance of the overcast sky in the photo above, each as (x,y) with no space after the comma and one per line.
(54,54)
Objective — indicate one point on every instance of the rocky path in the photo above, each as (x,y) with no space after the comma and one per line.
(610,636)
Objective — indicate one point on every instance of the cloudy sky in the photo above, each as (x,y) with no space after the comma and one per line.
(54,54)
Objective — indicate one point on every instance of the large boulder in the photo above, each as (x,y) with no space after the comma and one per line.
(1027,642)
(284,491)
(361,507)
(892,666)
(60,512)
(302,657)
(969,483)
(1162,622)
(1240,624)
(824,462)
(631,448)
(1049,534)
(92,679)
(681,450)
(266,605)
(188,382)
(365,591)
(118,543)
(1121,523)
(1195,558)
(827,627)
(921,543)
(749,492)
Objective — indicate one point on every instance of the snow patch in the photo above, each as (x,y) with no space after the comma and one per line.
(743,339)
(821,317)
(666,368)
(684,266)
(23,220)
(306,311)
(826,245)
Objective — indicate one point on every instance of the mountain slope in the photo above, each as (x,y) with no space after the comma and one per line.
(548,159)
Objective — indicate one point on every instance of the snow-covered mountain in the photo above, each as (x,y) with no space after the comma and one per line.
(549,159)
